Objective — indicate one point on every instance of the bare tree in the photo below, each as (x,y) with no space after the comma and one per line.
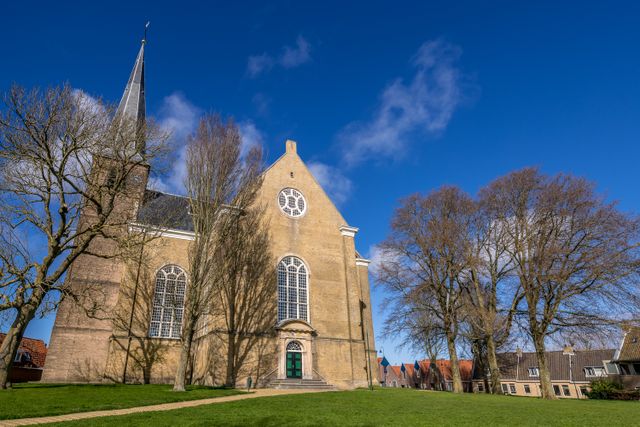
(575,255)
(245,292)
(429,249)
(134,352)
(66,173)
(220,185)
(491,296)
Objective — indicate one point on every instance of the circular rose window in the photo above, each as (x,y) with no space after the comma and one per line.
(292,202)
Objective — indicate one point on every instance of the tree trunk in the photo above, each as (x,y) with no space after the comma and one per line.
(455,368)
(545,377)
(230,380)
(494,370)
(183,362)
(11,343)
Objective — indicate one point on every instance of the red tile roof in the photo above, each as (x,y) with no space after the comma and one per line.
(37,349)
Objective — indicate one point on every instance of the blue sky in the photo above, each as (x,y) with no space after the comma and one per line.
(384,99)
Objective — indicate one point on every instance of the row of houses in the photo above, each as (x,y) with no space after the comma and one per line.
(424,374)
(572,371)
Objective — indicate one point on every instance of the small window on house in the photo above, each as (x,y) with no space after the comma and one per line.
(505,389)
(565,390)
(636,368)
(534,372)
(594,371)
(610,367)
(584,390)
(527,389)
(480,387)
(556,389)
(512,388)
(625,369)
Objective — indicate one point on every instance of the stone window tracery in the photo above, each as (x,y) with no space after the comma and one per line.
(292,202)
(168,302)
(292,289)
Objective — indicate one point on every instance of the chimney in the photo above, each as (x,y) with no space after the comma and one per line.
(291,146)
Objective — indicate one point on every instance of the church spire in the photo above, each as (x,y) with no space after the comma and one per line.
(132,104)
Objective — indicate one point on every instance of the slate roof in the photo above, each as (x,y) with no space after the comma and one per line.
(557,361)
(37,349)
(630,349)
(165,211)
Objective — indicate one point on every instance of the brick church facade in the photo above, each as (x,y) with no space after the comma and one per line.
(324,332)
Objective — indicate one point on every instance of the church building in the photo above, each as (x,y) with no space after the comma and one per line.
(323,335)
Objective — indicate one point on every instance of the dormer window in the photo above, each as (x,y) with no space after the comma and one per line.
(594,371)
(534,372)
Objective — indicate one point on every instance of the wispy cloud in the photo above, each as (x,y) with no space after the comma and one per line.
(378,257)
(426,104)
(250,135)
(332,180)
(179,117)
(291,57)
(296,56)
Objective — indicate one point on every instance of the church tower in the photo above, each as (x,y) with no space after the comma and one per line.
(79,343)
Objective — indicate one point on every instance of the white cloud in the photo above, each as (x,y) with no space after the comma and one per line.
(179,117)
(256,64)
(290,57)
(425,104)
(295,56)
(337,186)
(250,135)
(379,256)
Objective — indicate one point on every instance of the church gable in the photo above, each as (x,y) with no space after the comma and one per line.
(308,204)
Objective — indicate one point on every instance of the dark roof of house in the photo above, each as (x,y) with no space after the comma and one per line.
(630,349)
(37,349)
(165,211)
(513,367)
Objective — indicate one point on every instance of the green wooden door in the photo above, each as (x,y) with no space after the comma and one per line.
(294,364)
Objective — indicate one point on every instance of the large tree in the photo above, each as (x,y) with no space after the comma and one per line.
(221,185)
(427,252)
(66,172)
(574,254)
(491,294)
(245,288)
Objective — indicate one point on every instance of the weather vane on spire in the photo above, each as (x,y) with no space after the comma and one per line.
(146,26)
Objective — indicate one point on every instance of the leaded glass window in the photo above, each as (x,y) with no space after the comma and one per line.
(292,289)
(292,202)
(168,302)
(294,346)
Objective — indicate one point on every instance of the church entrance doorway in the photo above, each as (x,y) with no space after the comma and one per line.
(294,360)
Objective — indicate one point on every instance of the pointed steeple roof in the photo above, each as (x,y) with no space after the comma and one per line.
(133,105)
(133,101)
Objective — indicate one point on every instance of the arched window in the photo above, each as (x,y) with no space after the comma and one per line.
(292,289)
(168,302)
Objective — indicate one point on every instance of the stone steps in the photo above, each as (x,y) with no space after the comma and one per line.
(293,383)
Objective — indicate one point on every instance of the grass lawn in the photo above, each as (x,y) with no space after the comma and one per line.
(39,400)
(397,407)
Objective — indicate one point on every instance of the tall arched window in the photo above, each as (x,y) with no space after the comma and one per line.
(292,289)
(168,302)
